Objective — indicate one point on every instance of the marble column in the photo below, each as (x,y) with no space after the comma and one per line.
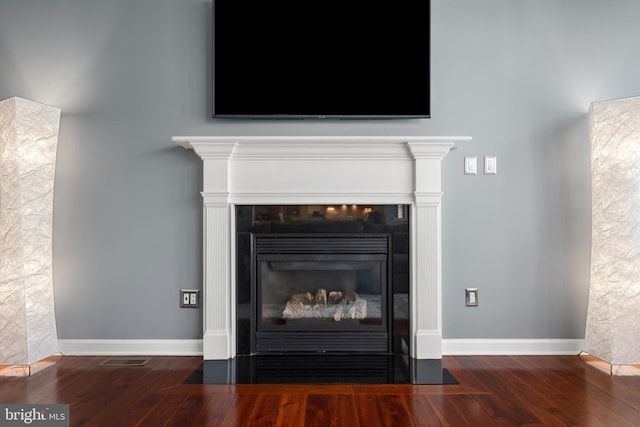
(28,142)
(613,317)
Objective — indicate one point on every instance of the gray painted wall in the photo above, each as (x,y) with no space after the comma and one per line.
(516,75)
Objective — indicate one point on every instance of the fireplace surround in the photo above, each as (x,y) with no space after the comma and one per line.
(248,170)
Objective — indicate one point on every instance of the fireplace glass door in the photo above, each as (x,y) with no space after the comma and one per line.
(322,293)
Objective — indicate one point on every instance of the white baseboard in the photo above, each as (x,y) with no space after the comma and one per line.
(193,347)
(93,347)
(533,347)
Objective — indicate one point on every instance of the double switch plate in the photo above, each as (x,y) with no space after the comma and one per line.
(490,165)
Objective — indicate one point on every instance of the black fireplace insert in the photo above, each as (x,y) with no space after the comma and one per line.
(322,292)
(322,279)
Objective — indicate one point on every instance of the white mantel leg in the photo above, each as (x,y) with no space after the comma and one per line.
(217,339)
(425,307)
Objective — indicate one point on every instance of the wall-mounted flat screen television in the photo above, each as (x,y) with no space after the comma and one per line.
(342,59)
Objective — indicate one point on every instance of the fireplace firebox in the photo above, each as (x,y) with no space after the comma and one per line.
(321,293)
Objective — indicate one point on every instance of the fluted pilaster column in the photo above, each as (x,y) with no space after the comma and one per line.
(426,304)
(218,341)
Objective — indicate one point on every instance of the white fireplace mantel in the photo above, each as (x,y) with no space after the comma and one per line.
(321,170)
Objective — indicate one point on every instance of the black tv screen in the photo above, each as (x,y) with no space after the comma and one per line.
(343,59)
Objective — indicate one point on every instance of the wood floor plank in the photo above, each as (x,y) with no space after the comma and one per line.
(319,410)
(188,410)
(160,414)
(630,389)
(368,410)
(291,410)
(239,413)
(597,397)
(264,412)
(394,411)
(569,403)
(469,383)
(337,410)
(449,411)
(538,394)
(508,398)
(420,411)
(214,409)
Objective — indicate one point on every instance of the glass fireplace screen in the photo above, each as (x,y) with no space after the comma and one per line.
(344,292)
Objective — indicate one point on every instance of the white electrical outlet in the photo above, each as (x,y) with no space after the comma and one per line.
(189,298)
(471,297)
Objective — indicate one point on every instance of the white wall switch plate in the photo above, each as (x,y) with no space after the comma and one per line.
(470,165)
(490,165)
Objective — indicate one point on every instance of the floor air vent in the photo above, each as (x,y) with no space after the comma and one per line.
(124,362)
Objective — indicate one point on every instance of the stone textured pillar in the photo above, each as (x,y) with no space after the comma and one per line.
(28,142)
(613,317)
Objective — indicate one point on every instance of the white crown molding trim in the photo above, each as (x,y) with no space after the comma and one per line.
(110,347)
(519,347)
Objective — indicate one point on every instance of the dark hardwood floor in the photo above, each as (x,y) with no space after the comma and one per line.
(493,391)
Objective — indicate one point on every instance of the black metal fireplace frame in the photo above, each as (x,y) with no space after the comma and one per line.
(311,338)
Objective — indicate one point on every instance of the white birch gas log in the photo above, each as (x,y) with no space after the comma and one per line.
(321,170)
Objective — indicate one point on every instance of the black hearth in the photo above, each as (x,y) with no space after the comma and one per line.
(322,369)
